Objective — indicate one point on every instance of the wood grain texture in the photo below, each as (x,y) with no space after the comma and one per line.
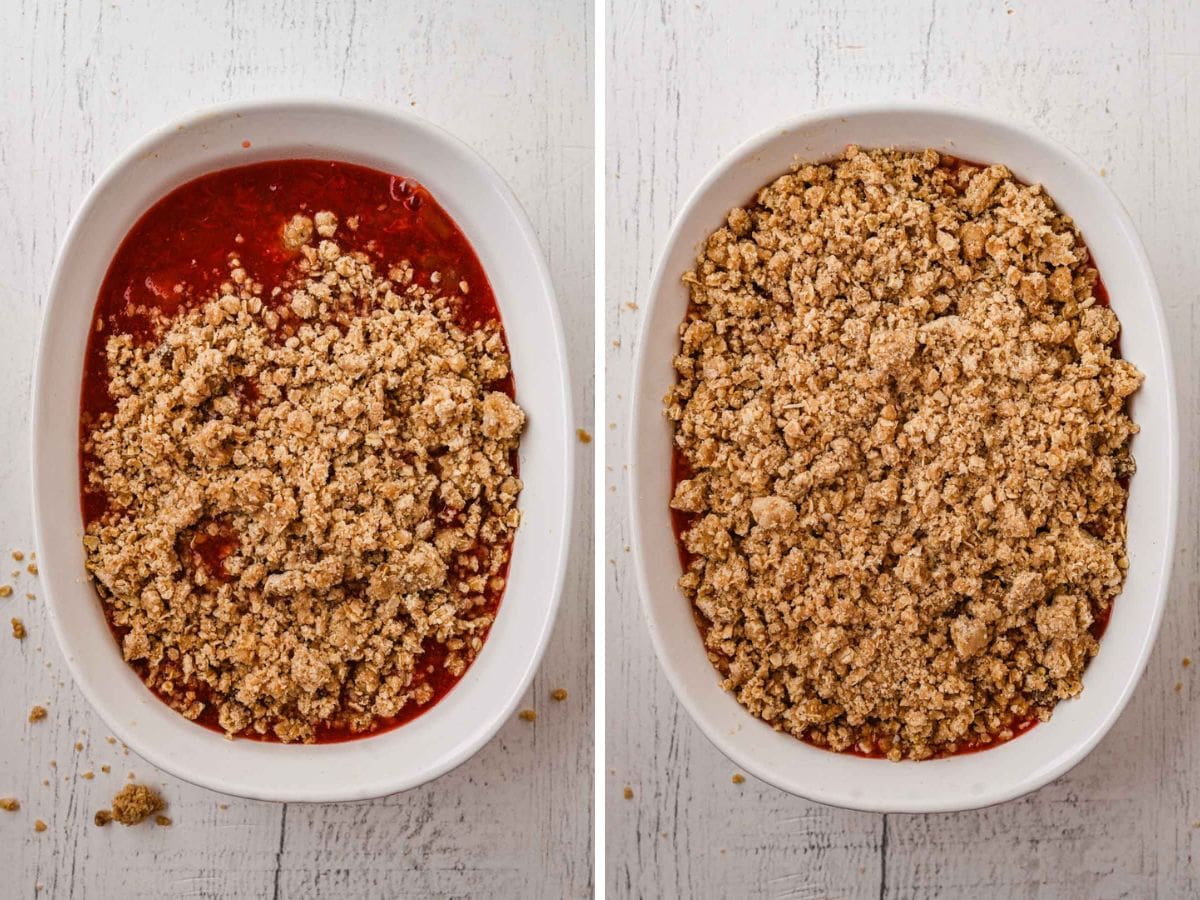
(1118,82)
(83,80)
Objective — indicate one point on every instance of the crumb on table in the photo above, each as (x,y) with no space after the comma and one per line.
(37,714)
(18,629)
(527,715)
(135,802)
(559,694)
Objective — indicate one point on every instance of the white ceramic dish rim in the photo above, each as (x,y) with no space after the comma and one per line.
(646,414)
(479,728)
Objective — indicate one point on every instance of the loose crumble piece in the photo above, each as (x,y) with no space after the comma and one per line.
(559,694)
(37,713)
(905,449)
(10,804)
(302,497)
(39,826)
(527,715)
(133,804)
(18,629)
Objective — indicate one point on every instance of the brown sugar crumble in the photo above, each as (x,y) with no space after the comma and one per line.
(37,713)
(39,826)
(628,793)
(10,804)
(18,629)
(559,694)
(902,453)
(102,817)
(6,590)
(584,435)
(527,715)
(134,803)
(163,821)
(738,778)
(305,496)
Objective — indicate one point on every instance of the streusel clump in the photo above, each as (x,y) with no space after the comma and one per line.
(903,453)
(306,493)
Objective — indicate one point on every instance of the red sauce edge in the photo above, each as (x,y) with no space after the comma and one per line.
(186,236)
(681,521)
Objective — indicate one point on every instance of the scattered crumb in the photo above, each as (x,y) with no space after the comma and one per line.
(559,694)
(39,826)
(1178,686)
(87,776)
(18,629)
(32,568)
(527,715)
(37,714)
(738,778)
(106,769)
(6,590)
(631,305)
(135,802)
(78,745)
(18,555)
(10,804)
(164,821)
(103,817)
(54,763)
(45,782)
(245,145)
(628,792)
(584,435)
(110,739)
(1187,661)
(222,806)
(29,595)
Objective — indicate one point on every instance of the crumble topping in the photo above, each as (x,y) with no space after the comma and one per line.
(305,495)
(904,453)
(132,805)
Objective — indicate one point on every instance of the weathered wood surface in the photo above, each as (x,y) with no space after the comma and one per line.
(82,80)
(1119,83)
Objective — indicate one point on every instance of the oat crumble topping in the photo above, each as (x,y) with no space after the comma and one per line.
(134,803)
(305,495)
(904,449)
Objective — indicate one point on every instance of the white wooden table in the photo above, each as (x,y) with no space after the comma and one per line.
(81,81)
(1119,83)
